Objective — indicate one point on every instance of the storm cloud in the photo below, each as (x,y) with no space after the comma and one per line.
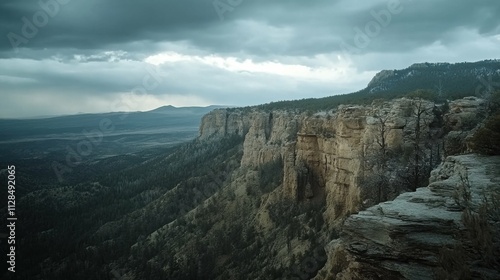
(69,56)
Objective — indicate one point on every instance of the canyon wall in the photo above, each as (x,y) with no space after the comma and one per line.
(300,179)
(325,154)
(412,236)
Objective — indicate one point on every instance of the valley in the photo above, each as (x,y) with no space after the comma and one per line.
(308,189)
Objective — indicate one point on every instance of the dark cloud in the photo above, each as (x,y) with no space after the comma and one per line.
(312,26)
(97,48)
(100,24)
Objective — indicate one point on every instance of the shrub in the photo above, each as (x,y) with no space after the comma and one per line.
(480,223)
(452,264)
(486,140)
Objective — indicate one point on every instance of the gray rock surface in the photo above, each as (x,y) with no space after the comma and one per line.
(401,239)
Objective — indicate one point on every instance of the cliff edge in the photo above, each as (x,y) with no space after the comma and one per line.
(412,236)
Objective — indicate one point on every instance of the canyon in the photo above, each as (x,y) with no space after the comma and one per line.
(327,157)
(379,184)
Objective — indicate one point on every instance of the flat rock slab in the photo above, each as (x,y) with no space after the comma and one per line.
(406,234)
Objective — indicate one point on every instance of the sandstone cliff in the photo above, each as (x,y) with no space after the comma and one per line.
(404,238)
(326,155)
(346,160)
(276,186)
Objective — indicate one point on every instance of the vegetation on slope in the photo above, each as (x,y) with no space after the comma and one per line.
(486,140)
(79,231)
(435,82)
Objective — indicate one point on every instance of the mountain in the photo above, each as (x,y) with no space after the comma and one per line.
(277,191)
(88,138)
(457,79)
(436,81)
(188,117)
(185,110)
(162,119)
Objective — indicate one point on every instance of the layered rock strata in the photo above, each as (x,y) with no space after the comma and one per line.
(403,239)
(324,154)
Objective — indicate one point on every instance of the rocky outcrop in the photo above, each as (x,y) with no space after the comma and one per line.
(464,113)
(382,75)
(402,239)
(330,157)
(462,117)
(223,122)
(324,154)
(282,185)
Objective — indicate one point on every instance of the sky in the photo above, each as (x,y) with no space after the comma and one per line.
(73,56)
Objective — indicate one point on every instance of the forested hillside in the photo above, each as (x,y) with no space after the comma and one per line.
(434,81)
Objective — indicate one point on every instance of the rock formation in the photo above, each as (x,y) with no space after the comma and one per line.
(403,239)
(325,153)
(331,157)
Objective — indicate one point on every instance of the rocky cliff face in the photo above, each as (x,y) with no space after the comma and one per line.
(463,116)
(221,122)
(267,190)
(332,159)
(404,238)
(325,155)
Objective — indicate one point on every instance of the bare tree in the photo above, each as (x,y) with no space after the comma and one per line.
(420,109)
(381,139)
(376,180)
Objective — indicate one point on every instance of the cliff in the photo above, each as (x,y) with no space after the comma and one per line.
(261,193)
(326,155)
(304,189)
(347,160)
(406,238)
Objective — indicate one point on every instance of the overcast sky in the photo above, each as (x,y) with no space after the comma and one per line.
(70,56)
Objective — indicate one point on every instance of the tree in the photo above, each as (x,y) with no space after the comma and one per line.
(492,102)
(420,109)
(381,140)
(381,179)
(376,182)
(487,139)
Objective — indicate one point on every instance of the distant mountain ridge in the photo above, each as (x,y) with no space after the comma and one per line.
(169,109)
(185,118)
(439,80)
(457,78)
